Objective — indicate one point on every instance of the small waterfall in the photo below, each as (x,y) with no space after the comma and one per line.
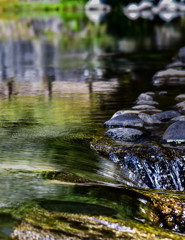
(156,173)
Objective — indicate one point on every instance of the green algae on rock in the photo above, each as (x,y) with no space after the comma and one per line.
(41,223)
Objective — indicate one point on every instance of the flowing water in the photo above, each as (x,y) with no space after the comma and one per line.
(61,77)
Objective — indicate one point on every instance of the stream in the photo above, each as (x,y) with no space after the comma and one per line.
(61,77)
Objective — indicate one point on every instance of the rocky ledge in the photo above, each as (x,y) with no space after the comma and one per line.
(148,143)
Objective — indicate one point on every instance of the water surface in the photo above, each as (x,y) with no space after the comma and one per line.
(61,77)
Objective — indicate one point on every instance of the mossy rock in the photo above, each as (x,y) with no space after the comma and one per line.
(41,224)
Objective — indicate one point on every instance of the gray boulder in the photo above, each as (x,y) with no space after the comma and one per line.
(126,134)
(124,120)
(175,132)
(167,115)
(149,119)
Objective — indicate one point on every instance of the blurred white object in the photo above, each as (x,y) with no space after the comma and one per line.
(97,5)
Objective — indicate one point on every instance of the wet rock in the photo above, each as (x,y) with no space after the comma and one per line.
(64,177)
(167,115)
(126,134)
(145,97)
(177,65)
(179,118)
(171,211)
(142,102)
(143,107)
(169,75)
(147,165)
(181,54)
(175,132)
(149,119)
(121,112)
(142,6)
(124,120)
(180,97)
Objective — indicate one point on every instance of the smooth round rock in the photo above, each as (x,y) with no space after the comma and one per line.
(126,134)
(124,120)
(175,132)
(145,97)
(180,97)
(149,119)
(167,115)
(143,107)
(143,102)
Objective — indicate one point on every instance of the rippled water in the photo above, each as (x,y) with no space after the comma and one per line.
(61,77)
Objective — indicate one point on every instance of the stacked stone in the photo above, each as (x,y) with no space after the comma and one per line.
(174,72)
(165,9)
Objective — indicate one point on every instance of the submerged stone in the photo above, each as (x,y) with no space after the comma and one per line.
(124,120)
(175,132)
(167,115)
(126,134)
(149,119)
